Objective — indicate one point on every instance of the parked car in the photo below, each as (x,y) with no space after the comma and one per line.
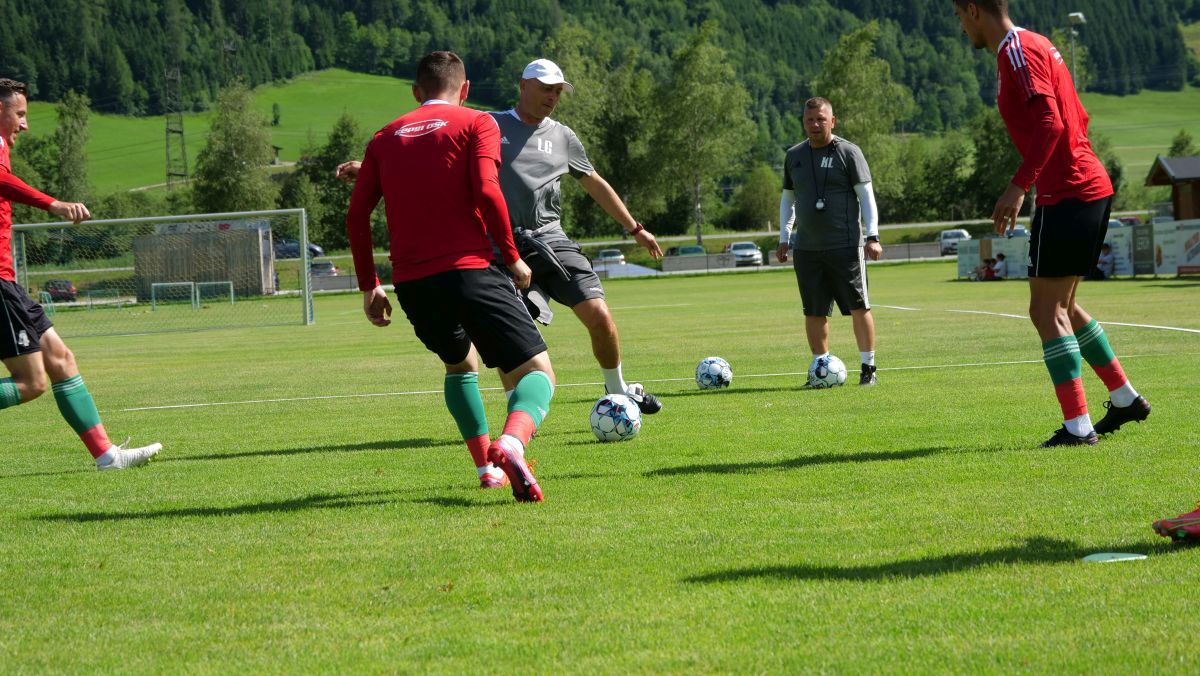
(323,269)
(949,239)
(692,250)
(61,290)
(290,248)
(610,256)
(1130,220)
(745,253)
(1018,231)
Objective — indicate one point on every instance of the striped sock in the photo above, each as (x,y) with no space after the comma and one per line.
(1066,369)
(1094,346)
(466,406)
(529,405)
(9,395)
(79,410)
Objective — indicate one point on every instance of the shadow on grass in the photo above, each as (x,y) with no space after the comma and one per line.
(802,461)
(736,391)
(388,445)
(27,475)
(315,501)
(1033,551)
(442,501)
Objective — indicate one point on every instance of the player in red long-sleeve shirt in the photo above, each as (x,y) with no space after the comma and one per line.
(1048,124)
(35,356)
(437,170)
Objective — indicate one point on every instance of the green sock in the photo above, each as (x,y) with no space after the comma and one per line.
(466,404)
(9,395)
(1093,345)
(532,395)
(76,404)
(1062,359)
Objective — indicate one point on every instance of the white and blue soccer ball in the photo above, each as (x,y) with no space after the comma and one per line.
(713,373)
(826,372)
(615,417)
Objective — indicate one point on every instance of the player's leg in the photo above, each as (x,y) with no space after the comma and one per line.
(846,275)
(78,408)
(503,332)
(20,347)
(816,298)
(425,303)
(1124,404)
(1049,309)
(582,292)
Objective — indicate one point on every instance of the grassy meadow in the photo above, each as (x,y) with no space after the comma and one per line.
(313,508)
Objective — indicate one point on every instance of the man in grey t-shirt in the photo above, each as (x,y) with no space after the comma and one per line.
(536,152)
(827,194)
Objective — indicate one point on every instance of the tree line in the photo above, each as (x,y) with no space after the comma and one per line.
(116,51)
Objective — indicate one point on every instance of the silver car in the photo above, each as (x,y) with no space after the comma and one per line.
(745,253)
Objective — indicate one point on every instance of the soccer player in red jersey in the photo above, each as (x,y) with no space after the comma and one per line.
(35,356)
(437,171)
(1048,124)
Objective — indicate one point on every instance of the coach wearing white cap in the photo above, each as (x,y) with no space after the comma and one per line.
(536,152)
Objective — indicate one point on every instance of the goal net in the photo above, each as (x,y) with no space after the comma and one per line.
(169,273)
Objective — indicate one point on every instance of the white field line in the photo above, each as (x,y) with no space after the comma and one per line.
(374,395)
(1012,316)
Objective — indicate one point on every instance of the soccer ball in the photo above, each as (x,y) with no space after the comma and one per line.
(616,418)
(713,373)
(826,372)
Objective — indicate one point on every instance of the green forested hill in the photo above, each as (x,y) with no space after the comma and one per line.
(115,51)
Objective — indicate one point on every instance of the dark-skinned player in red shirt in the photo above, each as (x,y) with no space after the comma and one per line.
(32,351)
(437,171)
(1048,124)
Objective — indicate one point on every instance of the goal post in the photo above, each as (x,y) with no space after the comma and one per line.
(169,273)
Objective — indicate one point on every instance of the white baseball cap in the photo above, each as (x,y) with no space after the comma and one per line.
(546,72)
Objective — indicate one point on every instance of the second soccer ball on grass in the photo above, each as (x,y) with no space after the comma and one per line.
(826,372)
(616,418)
(713,373)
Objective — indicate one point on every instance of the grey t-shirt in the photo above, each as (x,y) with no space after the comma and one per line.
(829,174)
(533,160)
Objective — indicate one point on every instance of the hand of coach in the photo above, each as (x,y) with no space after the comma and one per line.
(873,250)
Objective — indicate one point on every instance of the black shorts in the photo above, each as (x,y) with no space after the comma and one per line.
(581,282)
(22,322)
(1067,237)
(451,310)
(834,275)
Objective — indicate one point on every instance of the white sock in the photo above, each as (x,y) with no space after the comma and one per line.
(1081,426)
(868,358)
(486,469)
(1123,396)
(614,381)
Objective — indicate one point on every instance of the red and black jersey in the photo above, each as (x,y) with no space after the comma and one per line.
(436,168)
(1051,135)
(13,189)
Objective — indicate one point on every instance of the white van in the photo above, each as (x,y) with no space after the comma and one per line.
(948,240)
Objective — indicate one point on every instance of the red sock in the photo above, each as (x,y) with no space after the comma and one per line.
(96,440)
(478,447)
(520,425)
(1112,375)
(1071,398)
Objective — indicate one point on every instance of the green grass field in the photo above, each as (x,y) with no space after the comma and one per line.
(313,509)
(1142,126)
(130,152)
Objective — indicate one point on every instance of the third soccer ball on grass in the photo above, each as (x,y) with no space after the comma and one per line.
(616,418)
(825,372)
(713,373)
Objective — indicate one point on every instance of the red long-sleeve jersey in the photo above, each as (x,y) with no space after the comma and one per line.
(13,189)
(436,169)
(1047,122)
